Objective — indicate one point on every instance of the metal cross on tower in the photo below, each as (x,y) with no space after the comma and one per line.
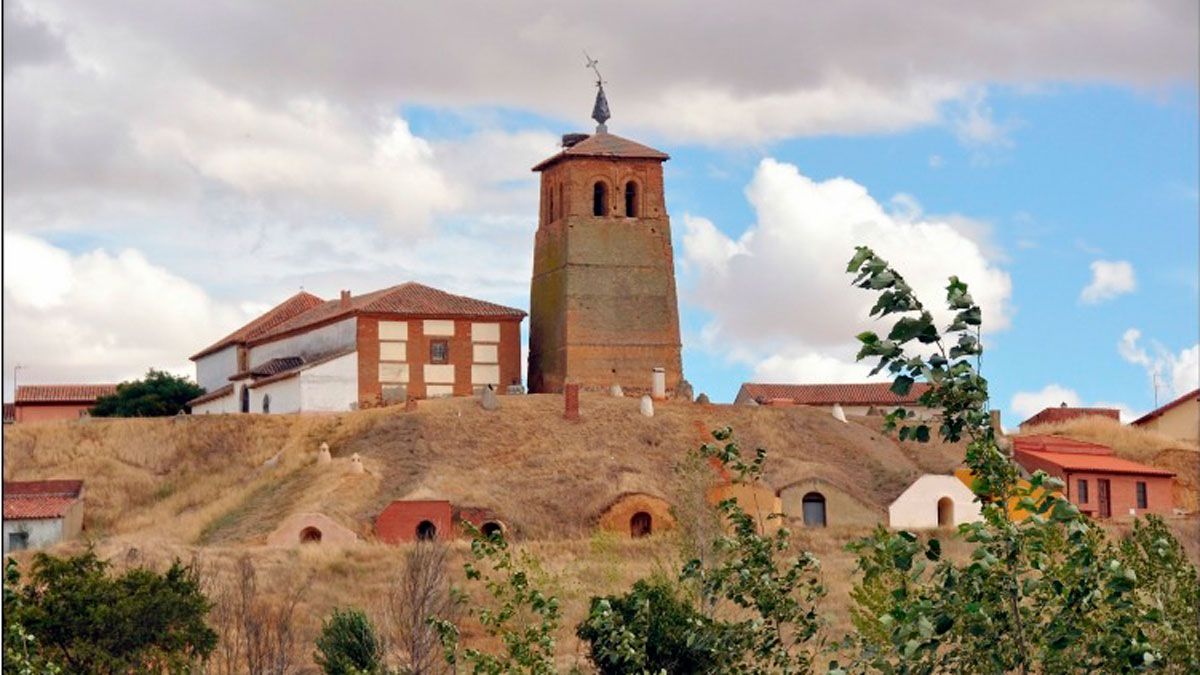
(600,111)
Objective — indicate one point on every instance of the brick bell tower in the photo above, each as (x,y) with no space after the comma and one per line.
(603,307)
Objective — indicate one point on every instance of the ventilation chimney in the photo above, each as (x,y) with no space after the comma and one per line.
(345,299)
(571,139)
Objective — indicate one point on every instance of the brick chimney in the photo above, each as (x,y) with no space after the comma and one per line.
(571,401)
(345,301)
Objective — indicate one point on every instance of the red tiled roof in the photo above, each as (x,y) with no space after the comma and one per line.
(42,488)
(1043,443)
(63,393)
(288,309)
(1095,463)
(303,365)
(828,394)
(1063,413)
(268,368)
(604,145)
(409,299)
(212,395)
(1190,396)
(31,508)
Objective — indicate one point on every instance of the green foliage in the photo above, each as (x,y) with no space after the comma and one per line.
(1049,593)
(23,655)
(655,628)
(159,394)
(520,614)
(75,614)
(1167,591)
(349,645)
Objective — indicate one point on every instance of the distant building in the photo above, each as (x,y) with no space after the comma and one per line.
(410,340)
(40,513)
(1099,483)
(50,402)
(855,399)
(934,501)
(1178,419)
(1063,413)
(10,413)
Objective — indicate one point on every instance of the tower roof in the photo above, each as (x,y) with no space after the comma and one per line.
(604,145)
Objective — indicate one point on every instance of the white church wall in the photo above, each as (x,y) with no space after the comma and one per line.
(213,370)
(225,404)
(311,344)
(285,396)
(331,386)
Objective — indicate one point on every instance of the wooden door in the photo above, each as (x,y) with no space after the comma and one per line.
(1103,498)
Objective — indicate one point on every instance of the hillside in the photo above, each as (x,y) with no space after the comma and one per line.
(231,479)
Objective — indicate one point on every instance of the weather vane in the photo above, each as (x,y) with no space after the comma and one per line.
(600,111)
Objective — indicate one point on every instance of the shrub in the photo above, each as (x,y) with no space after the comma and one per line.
(159,394)
(349,645)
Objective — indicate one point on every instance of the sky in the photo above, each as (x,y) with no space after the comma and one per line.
(172,169)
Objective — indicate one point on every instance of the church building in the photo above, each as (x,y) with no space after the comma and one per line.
(603,307)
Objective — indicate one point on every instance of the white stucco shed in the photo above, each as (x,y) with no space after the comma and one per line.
(934,501)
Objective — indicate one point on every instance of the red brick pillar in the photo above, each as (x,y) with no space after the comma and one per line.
(571,401)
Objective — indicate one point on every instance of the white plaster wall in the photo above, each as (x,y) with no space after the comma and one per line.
(441,327)
(213,370)
(42,531)
(225,404)
(916,508)
(331,386)
(285,396)
(309,345)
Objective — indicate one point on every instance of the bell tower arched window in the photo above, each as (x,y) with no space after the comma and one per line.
(631,199)
(600,199)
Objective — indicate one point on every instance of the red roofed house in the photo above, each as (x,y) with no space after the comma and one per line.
(49,402)
(1179,418)
(1099,483)
(39,513)
(855,399)
(405,341)
(1063,413)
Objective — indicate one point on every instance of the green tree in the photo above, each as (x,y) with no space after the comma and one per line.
(1167,590)
(349,645)
(83,618)
(520,614)
(159,394)
(1049,593)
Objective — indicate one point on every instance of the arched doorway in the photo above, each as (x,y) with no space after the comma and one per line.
(245,399)
(814,509)
(945,508)
(426,530)
(599,199)
(492,529)
(310,535)
(640,525)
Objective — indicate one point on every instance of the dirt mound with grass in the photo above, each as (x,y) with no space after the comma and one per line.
(231,479)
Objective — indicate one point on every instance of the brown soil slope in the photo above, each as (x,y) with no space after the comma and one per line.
(230,479)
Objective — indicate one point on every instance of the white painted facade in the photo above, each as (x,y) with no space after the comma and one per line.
(310,344)
(918,507)
(285,396)
(225,404)
(331,386)
(43,532)
(213,370)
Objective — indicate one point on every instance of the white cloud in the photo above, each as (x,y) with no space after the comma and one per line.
(99,316)
(1026,404)
(813,368)
(1174,374)
(1110,278)
(779,294)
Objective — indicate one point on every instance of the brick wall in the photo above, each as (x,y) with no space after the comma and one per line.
(1122,493)
(399,520)
(27,412)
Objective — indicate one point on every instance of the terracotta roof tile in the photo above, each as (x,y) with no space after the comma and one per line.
(30,508)
(1045,443)
(604,145)
(302,366)
(827,394)
(212,395)
(63,393)
(1190,396)
(1079,461)
(268,368)
(288,309)
(409,299)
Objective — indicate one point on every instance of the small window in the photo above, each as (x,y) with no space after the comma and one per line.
(813,506)
(1083,491)
(18,541)
(439,351)
(245,399)
(266,404)
(631,200)
(1142,499)
(600,199)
